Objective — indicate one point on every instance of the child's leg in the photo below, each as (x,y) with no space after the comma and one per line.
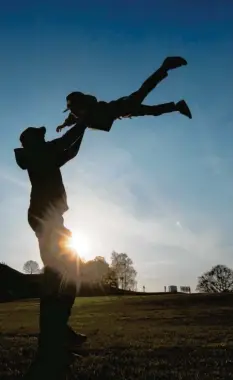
(156,110)
(124,106)
(151,82)
(144,110)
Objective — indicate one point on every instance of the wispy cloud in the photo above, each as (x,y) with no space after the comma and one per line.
(9,175)
(219,165)
(107,211)
(118,205)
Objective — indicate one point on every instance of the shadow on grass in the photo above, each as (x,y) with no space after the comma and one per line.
(135,363)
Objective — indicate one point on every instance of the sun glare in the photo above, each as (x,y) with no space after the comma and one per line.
(80,243)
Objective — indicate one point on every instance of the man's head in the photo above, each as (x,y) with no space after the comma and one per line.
(32,137)
(78,103)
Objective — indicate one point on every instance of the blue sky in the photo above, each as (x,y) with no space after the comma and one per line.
(160,189)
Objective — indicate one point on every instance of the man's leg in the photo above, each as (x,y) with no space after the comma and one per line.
(73,338)
(61,273)
(55,308)
(53,358)
(160,109)
(57,298)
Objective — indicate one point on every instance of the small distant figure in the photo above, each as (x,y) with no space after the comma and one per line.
(185,289)
(172,289)
(122,282)
(144,289)
(165,289)
(101,115)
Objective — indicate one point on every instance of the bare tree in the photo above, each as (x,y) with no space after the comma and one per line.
(31,267)
(124,269)
(219,279)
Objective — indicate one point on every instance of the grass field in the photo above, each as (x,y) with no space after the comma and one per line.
(148,337)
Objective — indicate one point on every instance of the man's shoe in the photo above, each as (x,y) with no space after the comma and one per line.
(75,339)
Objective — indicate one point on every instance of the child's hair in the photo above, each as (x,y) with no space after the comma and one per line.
(81,100)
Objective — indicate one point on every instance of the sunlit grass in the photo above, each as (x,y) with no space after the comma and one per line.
(159,337)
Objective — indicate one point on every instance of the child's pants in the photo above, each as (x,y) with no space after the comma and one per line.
(132,104)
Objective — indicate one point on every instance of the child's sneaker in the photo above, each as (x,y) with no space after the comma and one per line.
(183,108)
(173,62)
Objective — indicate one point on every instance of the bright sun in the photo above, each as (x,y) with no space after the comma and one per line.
(80,243)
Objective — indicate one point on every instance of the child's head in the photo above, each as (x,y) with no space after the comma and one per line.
(78,103)
(32,136)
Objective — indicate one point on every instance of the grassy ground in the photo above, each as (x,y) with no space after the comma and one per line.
(150,337)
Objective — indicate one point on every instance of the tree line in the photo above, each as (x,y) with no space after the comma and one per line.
(119,273)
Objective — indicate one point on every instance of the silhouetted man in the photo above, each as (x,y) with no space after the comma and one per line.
(48,203)
(101,115)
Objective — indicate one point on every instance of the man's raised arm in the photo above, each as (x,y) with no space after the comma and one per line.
(72,135)
(68,154)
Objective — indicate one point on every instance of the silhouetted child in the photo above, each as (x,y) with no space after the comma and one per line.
(101,115)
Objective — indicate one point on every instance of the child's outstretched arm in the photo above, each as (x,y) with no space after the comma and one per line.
(69,121)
